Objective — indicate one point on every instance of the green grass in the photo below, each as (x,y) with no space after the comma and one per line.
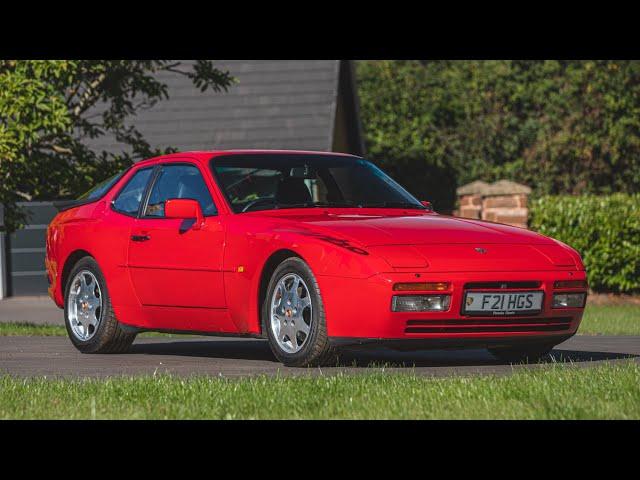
(611,320)
(607,391)
(24,329)
(31,330)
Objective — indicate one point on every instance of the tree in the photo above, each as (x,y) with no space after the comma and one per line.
(49,109)
(562,127)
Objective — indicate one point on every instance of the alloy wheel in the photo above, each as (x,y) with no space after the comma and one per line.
(291,313)
(84,305)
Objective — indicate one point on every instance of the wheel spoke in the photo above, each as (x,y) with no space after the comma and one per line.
(305,302)
(294,286)
(292,337)
(282,333)
(278,294)
(93,319)
(301,326)
(94,303)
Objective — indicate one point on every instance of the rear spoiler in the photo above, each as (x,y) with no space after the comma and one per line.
(62,205)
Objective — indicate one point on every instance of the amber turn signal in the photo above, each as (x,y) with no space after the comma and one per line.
(570,284)
(421,286)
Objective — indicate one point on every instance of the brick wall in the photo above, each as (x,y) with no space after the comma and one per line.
(503,202)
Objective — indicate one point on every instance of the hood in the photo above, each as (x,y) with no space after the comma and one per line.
(439,243)
(475,258)
(422,229)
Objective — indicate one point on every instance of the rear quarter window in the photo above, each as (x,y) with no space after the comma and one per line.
(129,198)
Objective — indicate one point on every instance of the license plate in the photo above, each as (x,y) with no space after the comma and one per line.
(498,303)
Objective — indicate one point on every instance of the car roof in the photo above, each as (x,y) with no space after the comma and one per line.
(206,155)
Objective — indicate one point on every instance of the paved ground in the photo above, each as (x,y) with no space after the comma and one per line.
(55,356)
(38,310)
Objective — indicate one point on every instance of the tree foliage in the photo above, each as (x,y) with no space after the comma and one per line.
(50,109)
(558,126)
(605,229)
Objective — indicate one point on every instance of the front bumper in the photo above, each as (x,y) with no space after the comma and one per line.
(359,310)
(411,344)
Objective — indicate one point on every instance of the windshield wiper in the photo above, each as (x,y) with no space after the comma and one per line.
(344,204)
(279,205)
(392,205)
(334,204)
(316,204)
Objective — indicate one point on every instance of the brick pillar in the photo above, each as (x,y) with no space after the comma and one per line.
(470,206)
(503,202)
(470,199)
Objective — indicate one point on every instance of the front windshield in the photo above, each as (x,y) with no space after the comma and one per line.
(273,181)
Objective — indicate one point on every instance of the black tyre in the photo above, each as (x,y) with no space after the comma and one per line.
(293,317)
(521,354)
(91,323)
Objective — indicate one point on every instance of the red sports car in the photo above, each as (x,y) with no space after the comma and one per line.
(310,250)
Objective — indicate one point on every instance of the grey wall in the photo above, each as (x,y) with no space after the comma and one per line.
(26,251)
(286,104)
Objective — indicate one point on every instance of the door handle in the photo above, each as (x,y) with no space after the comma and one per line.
(140,238)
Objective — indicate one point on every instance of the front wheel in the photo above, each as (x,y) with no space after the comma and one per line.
(91,323)
(293,316)
(532,353)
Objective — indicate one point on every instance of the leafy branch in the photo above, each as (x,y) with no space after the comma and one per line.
(50,109)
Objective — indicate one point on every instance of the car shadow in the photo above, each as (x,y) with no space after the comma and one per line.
(232,349)
(453,358)
(258,350)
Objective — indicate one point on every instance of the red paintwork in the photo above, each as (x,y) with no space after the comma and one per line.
(192,281)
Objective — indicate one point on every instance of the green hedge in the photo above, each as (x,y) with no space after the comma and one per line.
(565,127)
(604,229)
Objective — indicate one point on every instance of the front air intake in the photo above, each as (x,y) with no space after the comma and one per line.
(489,325)
(501,285)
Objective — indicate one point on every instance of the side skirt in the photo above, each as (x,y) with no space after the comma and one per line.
(132,329)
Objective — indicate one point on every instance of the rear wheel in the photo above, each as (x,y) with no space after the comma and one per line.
(522,354)
(91,323)
(293,316)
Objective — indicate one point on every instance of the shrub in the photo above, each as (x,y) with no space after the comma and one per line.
(561,127)
(604,229)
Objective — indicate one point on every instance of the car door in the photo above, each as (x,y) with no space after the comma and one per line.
(171,264)
(114,233)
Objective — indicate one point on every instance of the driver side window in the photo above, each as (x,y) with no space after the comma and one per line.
(179,181)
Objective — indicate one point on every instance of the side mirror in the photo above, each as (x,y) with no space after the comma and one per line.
(186,209)
(427,204)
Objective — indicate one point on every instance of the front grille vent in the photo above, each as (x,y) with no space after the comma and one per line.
(489,325)
(500,285)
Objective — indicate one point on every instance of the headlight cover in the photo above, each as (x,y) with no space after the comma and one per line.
(569,300)
(420,303)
